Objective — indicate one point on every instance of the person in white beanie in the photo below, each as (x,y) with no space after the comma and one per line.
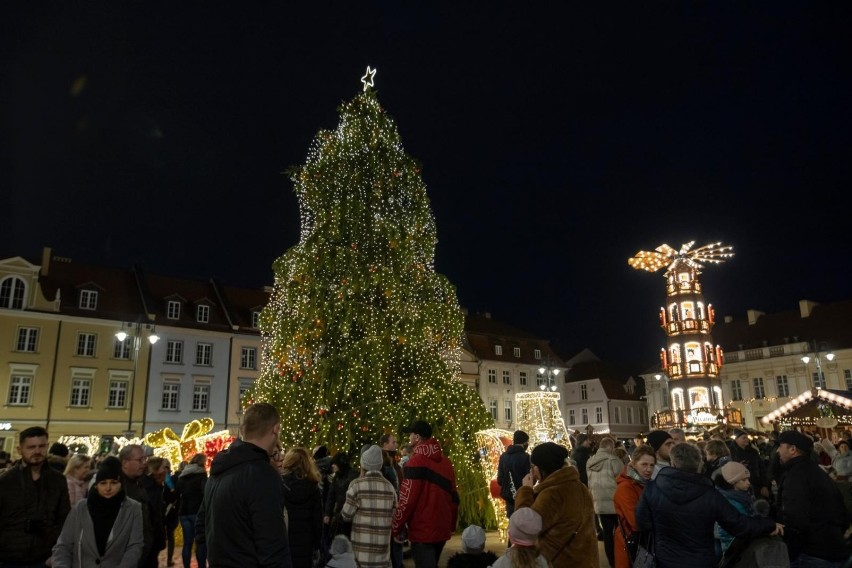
(473,553)
(341,553)
(370,502)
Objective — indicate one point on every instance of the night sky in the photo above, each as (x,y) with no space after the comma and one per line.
(556,141)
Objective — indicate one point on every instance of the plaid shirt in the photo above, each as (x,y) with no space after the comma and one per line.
(370,501)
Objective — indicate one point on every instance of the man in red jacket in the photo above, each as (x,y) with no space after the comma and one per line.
(428,500)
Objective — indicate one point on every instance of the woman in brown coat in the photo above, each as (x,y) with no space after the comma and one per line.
(554,491)
(631,482)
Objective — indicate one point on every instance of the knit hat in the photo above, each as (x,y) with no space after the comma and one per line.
(734,472)
(549,456)
(473,539)
(520,437)
(524,526)
(340,545)
(804,443)
(110,468)
(372,458)
(657,438)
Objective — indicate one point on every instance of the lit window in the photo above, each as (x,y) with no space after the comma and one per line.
(81,390)
(248,358)
(117,394)
(202,314)
(173,310)
(201,398)
(86,344)
(171,395)
(88,299)
(174,351)
(20,388)
(12,292)
(27,339)
(203,352)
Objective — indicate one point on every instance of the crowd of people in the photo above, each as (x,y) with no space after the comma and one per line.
(782,501)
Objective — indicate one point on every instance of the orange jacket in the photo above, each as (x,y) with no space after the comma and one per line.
(626,497)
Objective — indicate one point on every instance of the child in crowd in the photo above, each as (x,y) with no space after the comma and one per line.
(341,552)
(524,526)
(473,554)
(733,482)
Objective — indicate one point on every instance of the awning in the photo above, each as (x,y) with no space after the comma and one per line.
(825,408)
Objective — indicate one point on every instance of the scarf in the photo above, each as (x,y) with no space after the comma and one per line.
(103,512)
(634,475)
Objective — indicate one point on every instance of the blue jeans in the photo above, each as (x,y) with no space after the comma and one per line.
(426,554)
(187,525)
(805,561)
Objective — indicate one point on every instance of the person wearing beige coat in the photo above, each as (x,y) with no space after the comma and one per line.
(603,468)
(553,490)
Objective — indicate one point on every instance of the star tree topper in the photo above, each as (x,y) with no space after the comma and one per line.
(367,79)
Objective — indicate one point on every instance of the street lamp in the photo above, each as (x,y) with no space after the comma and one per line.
(550,375)
(820,378)
(136,330)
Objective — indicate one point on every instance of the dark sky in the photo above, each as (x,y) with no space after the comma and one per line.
(556,141)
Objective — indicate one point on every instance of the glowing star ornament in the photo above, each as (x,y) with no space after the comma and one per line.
(367,79)
(666,256)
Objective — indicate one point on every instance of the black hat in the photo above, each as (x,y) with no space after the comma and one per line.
(520,437)
(738,433)
(796,439)
(57,449)
(549,457)
(657,438)
(110,468)
(420,428)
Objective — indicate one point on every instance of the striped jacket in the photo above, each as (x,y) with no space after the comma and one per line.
(370,502)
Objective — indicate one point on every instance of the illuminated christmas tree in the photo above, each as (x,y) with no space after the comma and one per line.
(361,335)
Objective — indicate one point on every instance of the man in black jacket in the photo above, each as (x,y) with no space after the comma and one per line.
(133,463)
(33,504)
(190,488)
(513,466)
(581,454)
(241,517)
(810,506)
(743,452)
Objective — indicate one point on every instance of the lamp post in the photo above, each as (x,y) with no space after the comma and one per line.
(820,382)
(136,330)
(549,374)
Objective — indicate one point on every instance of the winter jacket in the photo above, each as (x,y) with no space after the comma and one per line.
(428,498)
(134,489)
(190,488)
(337,491)
(342,560)
(77,489)
(20,502)
(681,508)
(156,513)
(567,538)
(76,547)
(370,502)
(241,518)
(742,502)
(470,560)
(513,466)
(302,498)
(626,498)
(811,510)
(602,469)
(581,455)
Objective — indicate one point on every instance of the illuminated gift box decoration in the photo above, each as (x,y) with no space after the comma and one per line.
(195,438)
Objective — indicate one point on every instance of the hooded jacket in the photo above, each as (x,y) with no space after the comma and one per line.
(681,507)
(428,498)
(190,488)
(567,538)
(302,498)
(626,497)
(241,518)
(602,469)
(514,464)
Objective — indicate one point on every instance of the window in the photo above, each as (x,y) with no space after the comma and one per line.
(507,410)
(539,379)
(598,414)
(173,310)
(507,377)
(171,394)
(248,358)
(81,390)
(202,314)
(572,420)
(516,351)
(492,406)
(492,376)
(174,351)
(584,393)
(616,414)
(498,349)
(522,377)
(86,344)
(255,320)
(758,387)
(88,299)
(847,375)
(537,353)
(736,390)
(27,339)
(201,398)
(20,387)
(117,394)
(121,349)
(819,380)
(783,386)
(245,387)
(203,353)
(12,291)
(630,415)
(585,413)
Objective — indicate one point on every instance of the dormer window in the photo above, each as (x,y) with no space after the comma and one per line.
(498,349)
(255,320)
(173,310)
(202,314)
(88,299)
(12,292)
(537,353)
(517,351)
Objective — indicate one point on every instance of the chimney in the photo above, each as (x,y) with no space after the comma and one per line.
(753,316)
(805,307)
(729,319)
(45,260)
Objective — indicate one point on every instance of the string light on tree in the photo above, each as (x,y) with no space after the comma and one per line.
(361,336)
